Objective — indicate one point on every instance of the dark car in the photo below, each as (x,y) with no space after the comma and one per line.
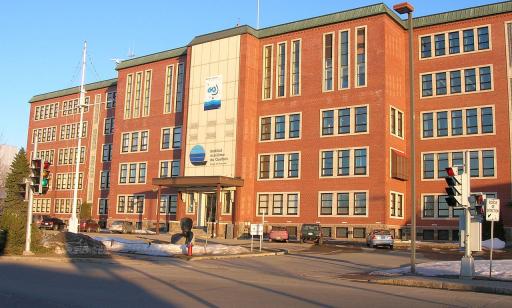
(51,223)
(311,232)
(89,225)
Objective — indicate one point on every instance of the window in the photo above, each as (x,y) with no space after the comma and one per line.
(487,120)
(428,166)
(485,78)
(442,164)
(359,232)
(132,173)
(280,126)
(281,69)
(488,163)
(341,232)
(168,204)
(468,40)
(166,138)
(295,68)
(147,94)
(70,131)
(396,205)
(471,121)
(44,112)
(41,205)
(342,163)
(457,123)
(67,156)
(109,126)
(454,43)
(66,181)
(399,166)
(294,126)
(455,82)
(326,204)
(344,121)
(483,38)
(63,206)
(130,204)
(344,60)
(267,72)
(428,125)
(279,166)
(328,122)
(47,155)
(72,106)
(482,163)
(470,79)
(45,134)
(343,204)
(360,161)
(107,153)
(180,84)
(327,163)
(428,206)
(439,40)
(442,123)
(441,83)
(169,77)
(328,61)
(111,100)
(103,207)
(426,48)
(138,95)
(134,142)
(428,235)
(169,168)
(276,128)
(361,119)
(426,85)
(361,56)
(265,131)
(283,204)
(397,122)
(105,179)
(359,203)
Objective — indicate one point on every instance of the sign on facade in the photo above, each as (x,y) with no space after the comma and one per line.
(492,209)
(256,229)
(213,93)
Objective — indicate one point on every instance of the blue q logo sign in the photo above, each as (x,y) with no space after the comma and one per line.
(197,156)
(213,93)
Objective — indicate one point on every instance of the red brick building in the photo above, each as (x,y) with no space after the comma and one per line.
(304,122)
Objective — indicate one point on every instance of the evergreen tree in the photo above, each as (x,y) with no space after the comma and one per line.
(14,215)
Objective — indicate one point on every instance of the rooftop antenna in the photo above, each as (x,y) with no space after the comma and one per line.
(258,16)
(238,22)
(131,52)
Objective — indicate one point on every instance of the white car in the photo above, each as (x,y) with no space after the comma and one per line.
(379,238)
(121,226)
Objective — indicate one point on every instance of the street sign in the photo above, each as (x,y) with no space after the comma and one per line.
(492,209)
(256,229)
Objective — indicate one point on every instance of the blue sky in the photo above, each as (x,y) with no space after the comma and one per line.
(41,41)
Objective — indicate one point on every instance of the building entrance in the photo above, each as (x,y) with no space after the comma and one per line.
(211,206)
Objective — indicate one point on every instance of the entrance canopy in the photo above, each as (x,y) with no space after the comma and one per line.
(198,181)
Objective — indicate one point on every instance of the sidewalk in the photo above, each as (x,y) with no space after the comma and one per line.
(475,285)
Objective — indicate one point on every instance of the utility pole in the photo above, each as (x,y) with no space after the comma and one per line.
(467,263)
(73,221)
(28,233)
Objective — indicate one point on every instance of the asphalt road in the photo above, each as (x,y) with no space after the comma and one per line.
(302,279)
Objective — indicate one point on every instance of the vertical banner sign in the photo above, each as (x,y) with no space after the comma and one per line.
(213,93)
(492,214)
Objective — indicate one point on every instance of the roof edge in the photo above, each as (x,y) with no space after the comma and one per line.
(74,90)
(154,57)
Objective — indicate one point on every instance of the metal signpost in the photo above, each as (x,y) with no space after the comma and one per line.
(492,214)
(256,229)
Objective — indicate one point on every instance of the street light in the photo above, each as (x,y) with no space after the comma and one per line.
(406,8)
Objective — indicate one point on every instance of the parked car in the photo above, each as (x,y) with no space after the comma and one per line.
(379,237)
(311,232)
(121,226)
(89,225)
(52,223)
(278,234)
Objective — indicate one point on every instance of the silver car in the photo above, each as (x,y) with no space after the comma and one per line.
(121,226)
(379,238)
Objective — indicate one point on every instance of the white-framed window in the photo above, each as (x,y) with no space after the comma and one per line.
(483,163)
(45,155)
(64,205)
(130,204)
(170,138)
(67,156)
(281,69)
(278,204)
(108,128)
(460,122)
(280,127)
(344,60)
(343,203)
(169,204)
(128,97)
(70,131)
(132,142)
(268,51)
(111,100)
(344,162)
(103,206)
(45,134)
(295,67)
(457,81)
(347,120)
(455,42)
(66,181)
(132,173)
(105,179)
(169,168)
(279,166)
(328,62)
(106,152)
(41,205)
(147,93)
(361,56)
(137,98)
(396,122)
(180,87)
(48,111)
(168,95)
(434,206)
(396,205)
(71,107)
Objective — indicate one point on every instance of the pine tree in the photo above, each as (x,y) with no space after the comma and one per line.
(14,214)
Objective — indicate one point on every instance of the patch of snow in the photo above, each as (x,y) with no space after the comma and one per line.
(501,269)
(145,248)
(144,232)
(498,244)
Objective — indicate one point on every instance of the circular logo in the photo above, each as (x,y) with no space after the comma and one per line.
(197,155)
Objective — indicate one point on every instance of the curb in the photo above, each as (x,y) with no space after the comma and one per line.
(441,284)
(218,257)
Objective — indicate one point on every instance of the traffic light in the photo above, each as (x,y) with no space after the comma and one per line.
(458,187)
(479,204)
(45,177)
(35,176)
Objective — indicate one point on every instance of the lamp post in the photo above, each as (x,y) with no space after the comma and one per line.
(403,8)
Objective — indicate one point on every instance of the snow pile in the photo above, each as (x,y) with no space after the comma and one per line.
(142,247)
(498,244)
(144,232)
(501,269)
